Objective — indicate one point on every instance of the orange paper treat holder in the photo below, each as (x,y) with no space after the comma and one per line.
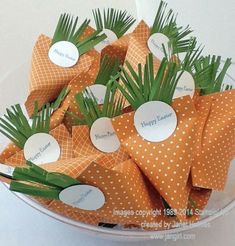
(215,145)
(48,79)
(166,164)
(64,140)
(124,188)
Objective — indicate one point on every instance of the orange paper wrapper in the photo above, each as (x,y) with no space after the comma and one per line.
(166,164)
(119,48)
(82,147)
(63,138)
(56,120)
(48,79)
(124,188)
(138,49)
(77,85)
(215,145)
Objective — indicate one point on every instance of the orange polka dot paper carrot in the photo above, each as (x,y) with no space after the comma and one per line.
(108,67)
(215,125)
(52,66)
(215,140)
(120,186)
(120,47)
(58,109)
(94,133)
(33,139)
(159,135)
(73,194)
(163,31)
(114,23)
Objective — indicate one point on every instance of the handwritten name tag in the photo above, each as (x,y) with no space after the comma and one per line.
(42,148)
(84,197)
(64,54)
(103,136)
(155,121)
(155,44)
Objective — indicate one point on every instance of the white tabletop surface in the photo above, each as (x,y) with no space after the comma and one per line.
(21,22)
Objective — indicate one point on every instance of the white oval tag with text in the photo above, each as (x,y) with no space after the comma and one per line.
(42,148)
(103,136)
(84,197)
(155,121)
(64,54)
(98,91)
(186,86)
(111,37)
(155,44)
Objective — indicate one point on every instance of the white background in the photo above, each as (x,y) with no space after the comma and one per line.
(21,22)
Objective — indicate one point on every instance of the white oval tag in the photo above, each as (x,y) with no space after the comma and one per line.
(155,121)
(98,91)
(64,54)
(155,44)
(103,136)
(111,37)
(186,86)
(41,148)
(84,197)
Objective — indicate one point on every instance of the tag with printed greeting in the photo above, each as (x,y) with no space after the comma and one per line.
(113,23)
(98,117)
(58,109)
(33,139)
(164,33)
(96,87)
(56,62)
(159,134)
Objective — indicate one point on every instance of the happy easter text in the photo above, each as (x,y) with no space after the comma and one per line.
(155,121)
(156,45)
(40,152)
(59,53)
(82,197)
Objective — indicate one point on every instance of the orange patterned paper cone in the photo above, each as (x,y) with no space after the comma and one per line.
(64,140)
(137,53)
(48,79)
(138,49)
(77,85)
(142,32)
(215,140)
(118,48)
(82,147)
(124,189)
(166,164)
